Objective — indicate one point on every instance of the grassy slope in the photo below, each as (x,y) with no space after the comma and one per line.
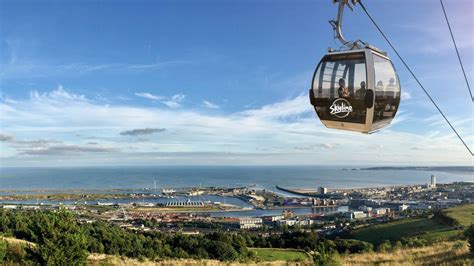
(439,254)
(292,256)
(464,214)
(17,241)
(394,231)
(272,254)
(264,256)
(421,227)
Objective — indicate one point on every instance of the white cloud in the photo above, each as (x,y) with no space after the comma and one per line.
(59,95)
(175,100)
(160,64)
(5,137)
(405,95)
(149,96)
(19,65)
(284,128)
(210,105)
(291,107)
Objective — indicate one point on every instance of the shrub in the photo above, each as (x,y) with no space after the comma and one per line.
(3,249)
(385,246)
(469,233)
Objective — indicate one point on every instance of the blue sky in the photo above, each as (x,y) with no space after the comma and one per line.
(217,82)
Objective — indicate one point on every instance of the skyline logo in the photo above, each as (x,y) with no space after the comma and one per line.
(340,108)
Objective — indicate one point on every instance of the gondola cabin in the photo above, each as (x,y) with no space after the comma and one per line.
(356,90)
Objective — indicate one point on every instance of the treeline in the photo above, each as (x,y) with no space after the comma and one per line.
(441,217)
(60,239)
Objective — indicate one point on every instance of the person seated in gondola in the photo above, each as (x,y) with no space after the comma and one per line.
(391,88)
(360,93)
(380,89)
(343,91)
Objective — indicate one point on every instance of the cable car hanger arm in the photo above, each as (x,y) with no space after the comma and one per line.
(337,24)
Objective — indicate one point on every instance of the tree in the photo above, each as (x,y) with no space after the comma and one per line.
(326,254)
(60,240)
(3,249)
(222,251)
(469,233)
(352,246)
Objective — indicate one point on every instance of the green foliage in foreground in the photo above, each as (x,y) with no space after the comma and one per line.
(3,249)
(469,233)
(59,238)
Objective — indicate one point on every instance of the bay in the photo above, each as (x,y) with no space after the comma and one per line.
(263,177)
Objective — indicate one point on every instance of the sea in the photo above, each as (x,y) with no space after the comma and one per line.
(262,177)
(139,179)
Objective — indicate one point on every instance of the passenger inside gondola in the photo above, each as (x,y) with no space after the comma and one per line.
(391,88)
(380,89)
(360,93)
(343,91)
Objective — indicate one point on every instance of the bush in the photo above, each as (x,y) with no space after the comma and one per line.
(398,245)
(352,246)
(60,240)
(15,253)
(385,246)
(443,218)
(329,259)
(223,251)
(458,245)
(469,233)
(3,249)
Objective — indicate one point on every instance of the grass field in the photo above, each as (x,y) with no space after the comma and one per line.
(445,253)
(464,214)
(423,228)
(394,231)
(441,235)
(273,254)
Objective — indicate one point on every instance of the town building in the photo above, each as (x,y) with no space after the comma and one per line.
(355,215)
(433,181)
(250,223)
(322,190)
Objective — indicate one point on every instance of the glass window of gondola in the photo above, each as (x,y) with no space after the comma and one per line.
(339,86)
(387,89)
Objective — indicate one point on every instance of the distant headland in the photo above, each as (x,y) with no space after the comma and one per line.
(425,168)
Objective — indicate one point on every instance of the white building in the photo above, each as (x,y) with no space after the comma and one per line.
(403,207)
(249,223)
(433,181)
(355,215)
(380,211)
(293,222)
(9,206)
(322,190)
(276,218)
(288,222)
